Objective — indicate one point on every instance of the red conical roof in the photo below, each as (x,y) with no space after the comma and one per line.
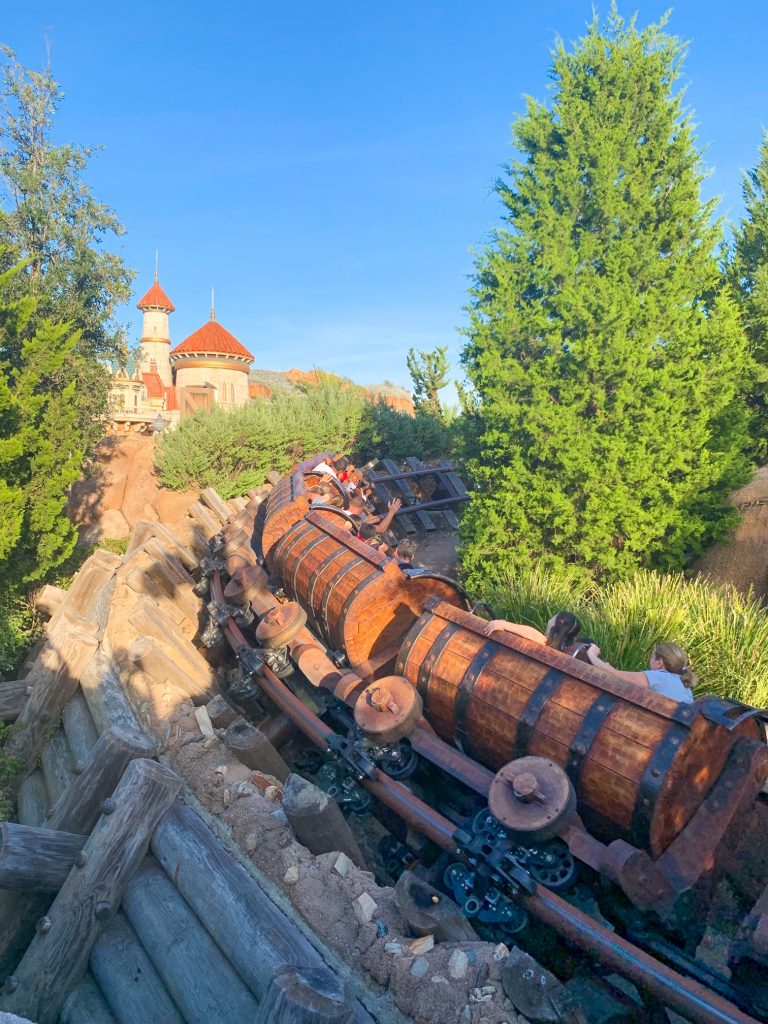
(213,339)
(157,299)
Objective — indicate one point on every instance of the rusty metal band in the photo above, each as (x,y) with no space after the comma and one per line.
(591,725)
(533,709)
(652,780)
(333,582)
(464,695)
(316,577)
(429,664)
(355,593)
(299,561)
(289,538)
(410,639)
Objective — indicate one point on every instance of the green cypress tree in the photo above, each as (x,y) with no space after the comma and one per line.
(40,445)
(749,274)
(603,345)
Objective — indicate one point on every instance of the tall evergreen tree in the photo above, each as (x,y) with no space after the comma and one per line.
(749,274)
(429,373)
(605,349)
(40,445)
(50,221)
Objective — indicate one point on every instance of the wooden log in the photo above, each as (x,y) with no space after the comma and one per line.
(48,599)
(159,577)
(203,518)
(146,529)
(86,1005)
(36,858)
(173,565)
(220,712)
(77,722)
(13,697)
(127,977)
(253,749)
(237,504)
(536,993)
(430,912)
(152,623)
(211,498)
(158,661)
(58,955)
(305,995)
(76,811)
(138,581)
(87,584)
(106,697)
(57,765)
(54,680)
(236,910)
(199,978)
(33,801)
(317,821)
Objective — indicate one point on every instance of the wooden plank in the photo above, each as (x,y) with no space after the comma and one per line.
(36,858)
(453,478)
(57,765)
(86,1005)
(33,800)
(77,722)
(305,995)
(58,955)
(128,979)
(13,697)
(405,489)
(235,909)
(198,976)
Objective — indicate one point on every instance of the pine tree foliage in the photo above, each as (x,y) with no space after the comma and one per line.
(40,455)
(748,270)
(429,373)
(605,350)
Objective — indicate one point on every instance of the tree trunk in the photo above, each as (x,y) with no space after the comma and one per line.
(57,957)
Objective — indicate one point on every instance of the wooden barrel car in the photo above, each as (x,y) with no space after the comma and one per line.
(358,600)
(641,764)
(289,501)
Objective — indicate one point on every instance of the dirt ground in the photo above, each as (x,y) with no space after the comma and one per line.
(437,551)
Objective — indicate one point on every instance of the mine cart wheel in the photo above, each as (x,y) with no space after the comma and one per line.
(533,798)
(281,624)
(245,579)
(388,710)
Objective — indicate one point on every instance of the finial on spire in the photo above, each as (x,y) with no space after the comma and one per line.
(213,310)
(157,260)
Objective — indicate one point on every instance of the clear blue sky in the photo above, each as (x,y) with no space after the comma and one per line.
(328,166)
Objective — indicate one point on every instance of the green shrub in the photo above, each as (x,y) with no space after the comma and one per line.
(725,633)
(388,433)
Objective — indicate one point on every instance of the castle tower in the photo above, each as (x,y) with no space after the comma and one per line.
(155,332)
(213,358)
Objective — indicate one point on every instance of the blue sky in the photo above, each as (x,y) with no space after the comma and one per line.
(328,166)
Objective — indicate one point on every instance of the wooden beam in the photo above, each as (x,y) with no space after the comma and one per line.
(57,765)
(105,696)
(305,995)
(213,500)
(220,712)
(77,722)
(317,821)
(236,910)
(48,599)
(13,697)
(251,747)
(127,977)
(86,1005)
(199,977)
(57,957)
(209,524)
(33,801)
(36,858)
(159,662)
(430,912)
(146,529)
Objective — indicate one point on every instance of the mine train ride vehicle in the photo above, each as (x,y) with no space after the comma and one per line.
(558,805)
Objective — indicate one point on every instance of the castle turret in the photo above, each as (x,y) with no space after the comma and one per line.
(155,333)
(213,358)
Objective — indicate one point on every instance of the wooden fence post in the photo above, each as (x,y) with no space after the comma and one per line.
(36,858)
(317,821)
(253,749)
(57,957)
(305,995)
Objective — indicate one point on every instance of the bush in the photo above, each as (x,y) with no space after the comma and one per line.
(725,633)
(388,433)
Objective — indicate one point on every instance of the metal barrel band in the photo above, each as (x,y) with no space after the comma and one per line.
(410,639)
(286,542)
(532,711)
(652,780)
(430,662)
(299,560)
(465,691)
(317,576)
(591,725)
(333,582)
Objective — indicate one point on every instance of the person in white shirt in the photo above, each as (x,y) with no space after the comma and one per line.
(668,673)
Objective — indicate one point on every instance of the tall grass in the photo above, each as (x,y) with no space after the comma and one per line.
(724,633)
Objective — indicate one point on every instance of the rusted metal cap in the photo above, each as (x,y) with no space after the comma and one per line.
(245,581)
(388,710)
(280,625)
(532,797)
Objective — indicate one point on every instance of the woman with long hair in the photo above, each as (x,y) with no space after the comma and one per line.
(668,673)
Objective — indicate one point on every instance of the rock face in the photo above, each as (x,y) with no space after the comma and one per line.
(742,559)
(123,489)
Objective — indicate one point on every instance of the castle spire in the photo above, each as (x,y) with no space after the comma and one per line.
(213,309)
(157,260)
